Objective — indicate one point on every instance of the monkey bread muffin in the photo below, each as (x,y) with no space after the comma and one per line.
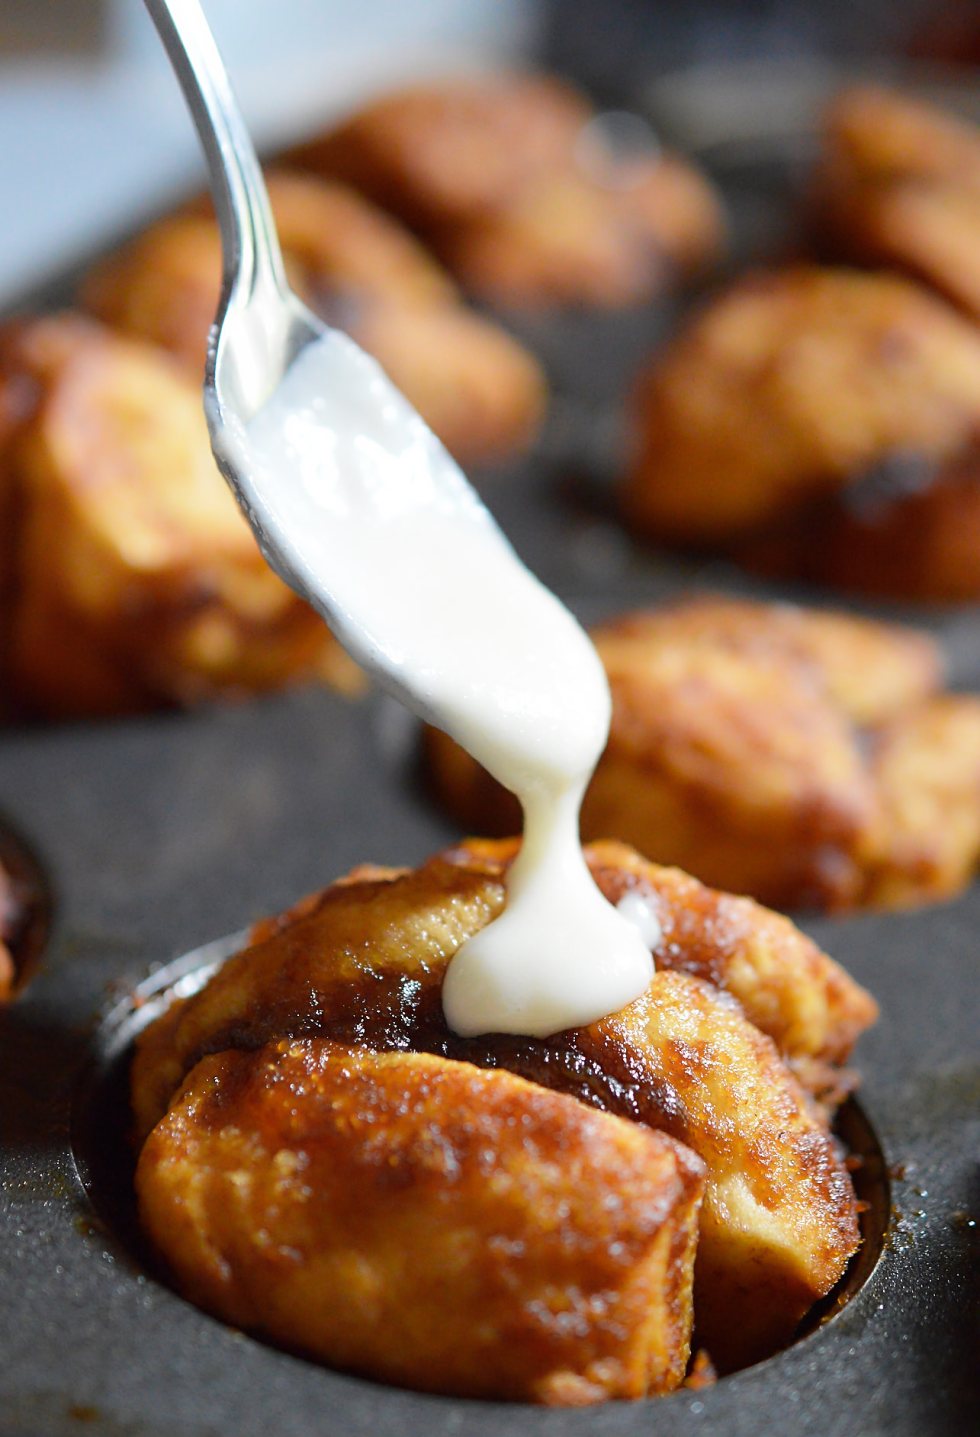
(326,1163)
(514,182)
(132,579)
(898,185)
(806,412)
(476,386)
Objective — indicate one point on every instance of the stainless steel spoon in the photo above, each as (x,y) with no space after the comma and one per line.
(260,330)
(367,518)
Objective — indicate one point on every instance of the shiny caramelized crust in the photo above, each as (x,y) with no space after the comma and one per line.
(313,966)
(160,594)
(478,388)
(380,1213)
(736,766)
(739,749)
(779,1221)
(871,671)
(898,184)
(787,389)
(364,963)
(526,204)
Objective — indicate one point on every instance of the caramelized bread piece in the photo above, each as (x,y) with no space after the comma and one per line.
(160,594)
(735,765)
(898,184)
(787,389)
(513,183)
(779,1221)
(872,671)
(479,389)
(927,772)
(365,963)
(428,1224)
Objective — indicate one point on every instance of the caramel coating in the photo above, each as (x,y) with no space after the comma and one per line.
(363,964)
(898,184)
(526,203)
(347,1203)
(160,594)
(746,745)
(478,388)
(787,389)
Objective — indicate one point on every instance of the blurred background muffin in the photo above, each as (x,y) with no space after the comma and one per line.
(823,423)
(355,266)
(529,197)
(133,578)
(898,185)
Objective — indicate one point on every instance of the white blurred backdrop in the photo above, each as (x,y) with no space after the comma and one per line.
(93,133)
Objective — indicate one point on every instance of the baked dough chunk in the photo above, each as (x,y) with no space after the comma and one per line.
(926,766)
(478,388)
(748,745)
(792,396)
(512,180)
(160,594)
(898,184)
(363,963)
(427,1223)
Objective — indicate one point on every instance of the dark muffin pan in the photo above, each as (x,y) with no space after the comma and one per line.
(161,833)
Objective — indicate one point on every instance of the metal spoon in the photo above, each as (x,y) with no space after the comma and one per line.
(260,330)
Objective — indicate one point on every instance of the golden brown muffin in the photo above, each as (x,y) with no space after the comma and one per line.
(528,202)
(746,745)
(480,390)
(347,1203)
(160,594)
(789,387)
(898,184)
(363,964)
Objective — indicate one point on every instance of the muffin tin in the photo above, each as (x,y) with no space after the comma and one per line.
(159,833)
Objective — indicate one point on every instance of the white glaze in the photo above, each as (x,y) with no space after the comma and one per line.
(641,909)
(367,516)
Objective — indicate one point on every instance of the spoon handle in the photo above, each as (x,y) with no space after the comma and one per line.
(250,245)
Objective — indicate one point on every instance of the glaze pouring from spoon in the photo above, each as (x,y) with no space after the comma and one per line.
(360,509)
